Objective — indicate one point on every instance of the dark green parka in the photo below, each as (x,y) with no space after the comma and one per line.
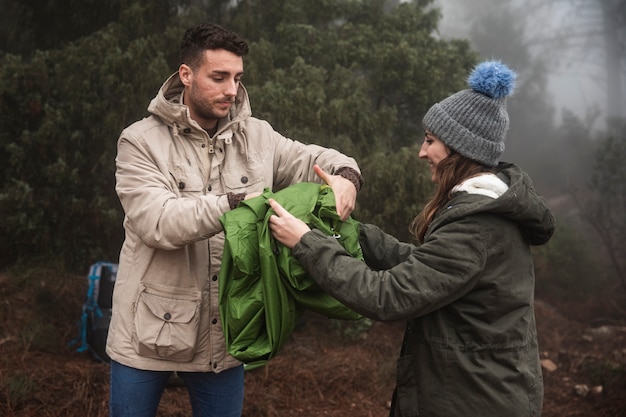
(470,348)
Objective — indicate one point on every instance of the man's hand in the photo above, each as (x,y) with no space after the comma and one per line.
(344,190)
(252,195)
(287,229)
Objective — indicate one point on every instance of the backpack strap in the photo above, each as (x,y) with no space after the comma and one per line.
(90,306)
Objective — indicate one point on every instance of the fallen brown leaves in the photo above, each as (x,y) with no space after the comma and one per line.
(320,371)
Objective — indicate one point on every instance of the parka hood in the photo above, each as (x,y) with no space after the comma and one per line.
(168,105)
(520,203)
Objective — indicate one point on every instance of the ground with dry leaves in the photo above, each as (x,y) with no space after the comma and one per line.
(326,369)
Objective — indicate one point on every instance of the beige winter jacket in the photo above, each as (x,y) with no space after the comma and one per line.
(172,181)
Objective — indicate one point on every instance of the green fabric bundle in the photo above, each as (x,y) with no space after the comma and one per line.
(263,289)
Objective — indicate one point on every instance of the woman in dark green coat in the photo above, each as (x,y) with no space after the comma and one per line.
(467,290)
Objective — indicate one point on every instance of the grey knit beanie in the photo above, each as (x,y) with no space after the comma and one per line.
(474,122)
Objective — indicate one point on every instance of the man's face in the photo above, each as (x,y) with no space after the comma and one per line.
(211,89)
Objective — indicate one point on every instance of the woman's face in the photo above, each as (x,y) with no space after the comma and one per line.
(434,151)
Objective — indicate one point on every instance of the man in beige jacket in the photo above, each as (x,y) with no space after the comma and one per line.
(198,154)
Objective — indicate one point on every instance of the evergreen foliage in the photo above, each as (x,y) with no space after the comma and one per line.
(354,75)
(398,187)
(61,111)
(605,207)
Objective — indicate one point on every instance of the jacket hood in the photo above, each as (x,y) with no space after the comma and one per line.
(519,203)
(168,105)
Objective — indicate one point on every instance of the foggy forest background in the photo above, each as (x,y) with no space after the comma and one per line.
(356,75)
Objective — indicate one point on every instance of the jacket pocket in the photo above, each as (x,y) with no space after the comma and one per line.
(187,183)
(166,324)
(244,171)
(406,389)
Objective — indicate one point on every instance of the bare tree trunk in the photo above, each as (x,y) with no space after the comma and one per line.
(612,11)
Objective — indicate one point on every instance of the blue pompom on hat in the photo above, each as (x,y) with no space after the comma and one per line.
(474,122)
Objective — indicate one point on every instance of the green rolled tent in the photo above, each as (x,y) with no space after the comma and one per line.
(263,289)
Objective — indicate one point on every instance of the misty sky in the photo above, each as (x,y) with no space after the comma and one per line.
(578,83)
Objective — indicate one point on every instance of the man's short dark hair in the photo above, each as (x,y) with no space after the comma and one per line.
(209,36)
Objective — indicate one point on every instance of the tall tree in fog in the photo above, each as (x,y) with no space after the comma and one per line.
(586,38)
(496,29)
(502,33)
(603,203)
(614,16)
(543,39)
(597,33)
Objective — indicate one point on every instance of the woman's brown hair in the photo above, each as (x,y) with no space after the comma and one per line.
(451,171)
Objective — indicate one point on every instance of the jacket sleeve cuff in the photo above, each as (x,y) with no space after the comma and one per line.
(307,241)
(351,175)
(235,199)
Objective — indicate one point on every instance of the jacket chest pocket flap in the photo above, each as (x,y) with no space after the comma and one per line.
(244,171)
(166,326)
(187,179)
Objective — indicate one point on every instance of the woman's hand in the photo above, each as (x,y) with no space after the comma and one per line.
(287,229)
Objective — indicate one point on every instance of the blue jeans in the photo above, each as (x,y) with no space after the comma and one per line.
(136,393)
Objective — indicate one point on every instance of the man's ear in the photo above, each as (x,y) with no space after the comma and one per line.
(186,74)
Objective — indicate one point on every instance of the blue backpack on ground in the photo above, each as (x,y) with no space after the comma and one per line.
(96,315)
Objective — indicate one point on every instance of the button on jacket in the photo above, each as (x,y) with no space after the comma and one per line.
(172,180)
